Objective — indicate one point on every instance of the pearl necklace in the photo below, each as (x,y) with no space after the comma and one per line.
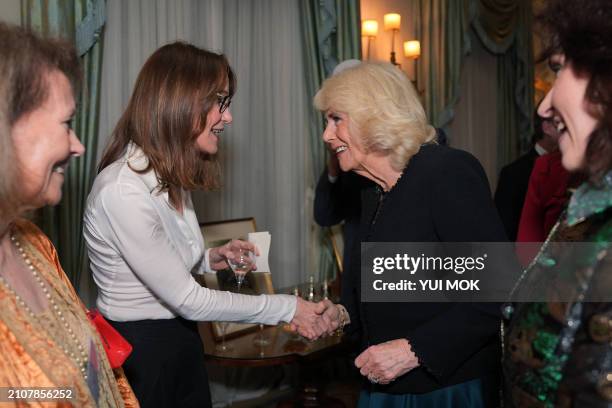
(81,358)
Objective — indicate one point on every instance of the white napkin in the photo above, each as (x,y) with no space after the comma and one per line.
(262,241)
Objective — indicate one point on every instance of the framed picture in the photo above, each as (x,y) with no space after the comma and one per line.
(255,283)
(219,232)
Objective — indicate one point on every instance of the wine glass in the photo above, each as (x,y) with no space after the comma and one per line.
(241,264)
(261,339)
(222,346)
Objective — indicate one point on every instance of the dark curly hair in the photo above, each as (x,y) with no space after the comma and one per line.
(582,31)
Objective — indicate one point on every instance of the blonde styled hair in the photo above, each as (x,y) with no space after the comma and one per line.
(383,108)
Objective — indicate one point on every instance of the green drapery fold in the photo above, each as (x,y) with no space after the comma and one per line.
(82,22)
(504,27)
(330,29)
(496,23)
(442,27)
(331,33)
(525,78)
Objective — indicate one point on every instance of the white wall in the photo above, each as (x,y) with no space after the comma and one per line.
(10,11)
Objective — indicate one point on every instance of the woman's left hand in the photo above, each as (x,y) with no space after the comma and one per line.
(383,363)
(218,256)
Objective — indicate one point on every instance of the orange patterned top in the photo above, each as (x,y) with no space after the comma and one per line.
(35,349)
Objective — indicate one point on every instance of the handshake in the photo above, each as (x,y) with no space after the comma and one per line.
(379,363)
(313,320)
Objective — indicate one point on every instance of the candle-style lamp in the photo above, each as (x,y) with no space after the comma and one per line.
(412,50)
(392,23)
(369,29)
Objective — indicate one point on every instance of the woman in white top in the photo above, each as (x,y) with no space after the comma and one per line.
(143,237)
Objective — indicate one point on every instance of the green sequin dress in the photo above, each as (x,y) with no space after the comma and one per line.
(559,354)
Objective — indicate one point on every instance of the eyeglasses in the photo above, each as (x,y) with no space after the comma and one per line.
(224,102)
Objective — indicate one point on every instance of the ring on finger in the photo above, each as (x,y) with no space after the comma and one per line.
(373,379)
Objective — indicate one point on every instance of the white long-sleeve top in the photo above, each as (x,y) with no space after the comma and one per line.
(143,253)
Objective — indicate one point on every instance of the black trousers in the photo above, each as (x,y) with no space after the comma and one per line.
(166,368)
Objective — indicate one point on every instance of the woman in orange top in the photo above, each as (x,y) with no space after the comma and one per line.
(46,339)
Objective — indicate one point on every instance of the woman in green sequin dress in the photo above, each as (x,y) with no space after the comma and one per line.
(558,352)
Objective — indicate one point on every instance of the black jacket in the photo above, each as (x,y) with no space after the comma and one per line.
(511,191)
(443,195)
(338,202)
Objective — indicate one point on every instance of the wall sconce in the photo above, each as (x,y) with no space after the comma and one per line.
(369,28)
(392,23)
(412,50)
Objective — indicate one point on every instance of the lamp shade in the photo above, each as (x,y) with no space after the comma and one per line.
(369,28)
(412,49)
(392,21)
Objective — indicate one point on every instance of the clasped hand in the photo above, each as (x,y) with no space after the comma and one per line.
(383,363)
(313,320)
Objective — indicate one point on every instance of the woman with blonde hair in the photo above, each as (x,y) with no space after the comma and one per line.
(46,339)
(413,354)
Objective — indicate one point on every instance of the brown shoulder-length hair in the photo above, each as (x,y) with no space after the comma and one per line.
(173,94)
(582,31)
(26,59)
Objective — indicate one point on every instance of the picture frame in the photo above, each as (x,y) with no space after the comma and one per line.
(219,232)
(255,283)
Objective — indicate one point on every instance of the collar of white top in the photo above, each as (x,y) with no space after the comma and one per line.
(139,161)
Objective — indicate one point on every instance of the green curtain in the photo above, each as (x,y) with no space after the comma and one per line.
(442,27)
(331,34)
(504,27)
(331,31)
(496,23)
(80,21)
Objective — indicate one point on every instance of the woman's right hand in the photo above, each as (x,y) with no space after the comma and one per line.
(312,320)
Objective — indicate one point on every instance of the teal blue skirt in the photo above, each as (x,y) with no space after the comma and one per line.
(467,394)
